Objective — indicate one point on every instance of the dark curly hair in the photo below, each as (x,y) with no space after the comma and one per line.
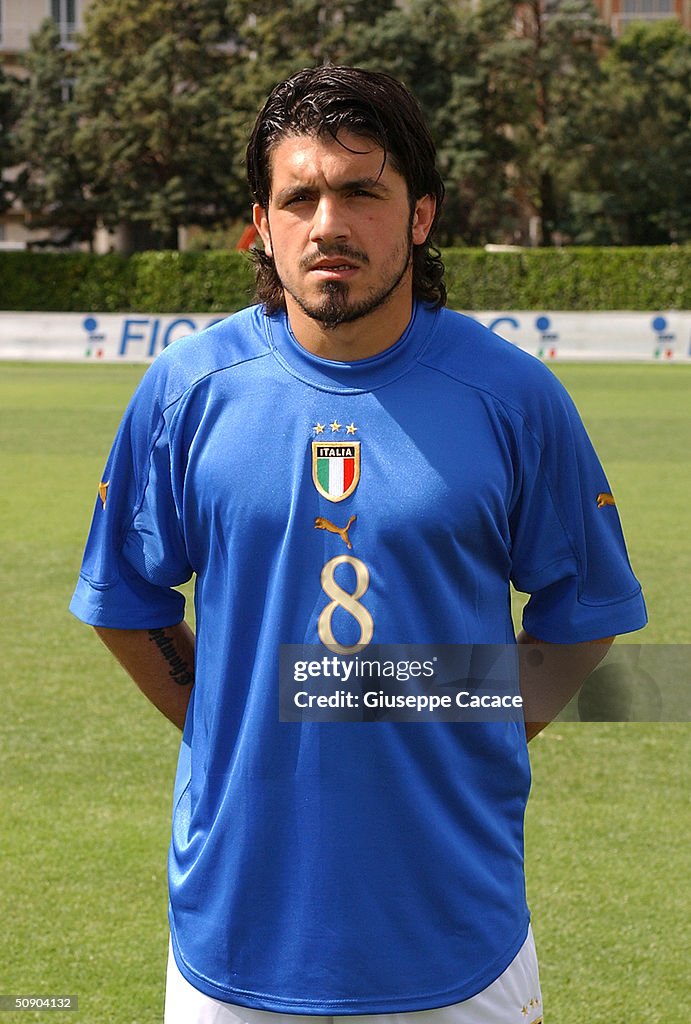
(326,100)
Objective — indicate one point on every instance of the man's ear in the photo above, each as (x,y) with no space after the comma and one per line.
(423,218)
(261,223)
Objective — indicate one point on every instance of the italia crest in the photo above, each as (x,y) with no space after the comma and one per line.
(336,468)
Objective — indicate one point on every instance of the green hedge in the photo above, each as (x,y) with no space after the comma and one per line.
(199,282)
(575,279)
(148,282)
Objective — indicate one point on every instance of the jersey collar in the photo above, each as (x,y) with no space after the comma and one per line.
(361,374)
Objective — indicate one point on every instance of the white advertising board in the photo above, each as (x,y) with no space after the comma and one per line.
(139,337)
(96,337)
(610,337)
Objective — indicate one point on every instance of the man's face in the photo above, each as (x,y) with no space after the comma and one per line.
(340,228)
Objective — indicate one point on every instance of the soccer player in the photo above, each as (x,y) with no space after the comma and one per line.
(348,463)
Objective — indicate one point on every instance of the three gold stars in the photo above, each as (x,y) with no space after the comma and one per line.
(335,426)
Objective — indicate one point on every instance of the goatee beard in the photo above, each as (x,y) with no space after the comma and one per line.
(334,309)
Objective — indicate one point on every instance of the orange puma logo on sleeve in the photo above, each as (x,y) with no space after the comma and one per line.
(605,499)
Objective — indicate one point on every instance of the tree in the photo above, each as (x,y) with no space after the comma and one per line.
(155,132)
(546,71)
(638,187)
(9,112)
(51,183)
(277,39)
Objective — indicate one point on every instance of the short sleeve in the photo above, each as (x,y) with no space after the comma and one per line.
(568,549)
(135,553)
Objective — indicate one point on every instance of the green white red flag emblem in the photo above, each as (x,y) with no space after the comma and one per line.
(336,468)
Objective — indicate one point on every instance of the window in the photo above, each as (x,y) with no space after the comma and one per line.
(648,7)
(64,15)
(67,89)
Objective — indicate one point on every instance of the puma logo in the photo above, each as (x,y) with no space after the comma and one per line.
(605,499)
(323,524)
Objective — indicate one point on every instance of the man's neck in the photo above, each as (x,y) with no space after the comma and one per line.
(361,339)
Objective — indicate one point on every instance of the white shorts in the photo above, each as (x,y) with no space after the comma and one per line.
(514,998)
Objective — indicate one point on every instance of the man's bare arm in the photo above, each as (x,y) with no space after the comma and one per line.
(161,662)
(551,674)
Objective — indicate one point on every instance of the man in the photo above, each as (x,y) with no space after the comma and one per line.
(348,463)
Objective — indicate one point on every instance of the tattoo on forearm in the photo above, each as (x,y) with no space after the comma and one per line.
(180,670)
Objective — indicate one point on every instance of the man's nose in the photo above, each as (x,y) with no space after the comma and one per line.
(330,222)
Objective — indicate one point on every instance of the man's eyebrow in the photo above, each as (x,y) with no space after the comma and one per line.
(289,191)
(370,184)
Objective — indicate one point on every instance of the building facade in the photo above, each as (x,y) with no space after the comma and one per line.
(19,19)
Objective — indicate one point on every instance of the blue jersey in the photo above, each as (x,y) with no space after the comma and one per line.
(351,867)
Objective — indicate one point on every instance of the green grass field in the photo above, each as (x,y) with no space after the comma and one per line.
(87,766)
